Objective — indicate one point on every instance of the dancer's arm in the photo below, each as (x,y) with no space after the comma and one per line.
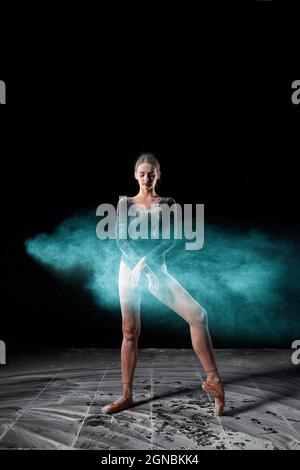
(164,245)
(123,243)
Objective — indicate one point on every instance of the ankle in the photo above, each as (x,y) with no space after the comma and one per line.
(213,376)
(127,390)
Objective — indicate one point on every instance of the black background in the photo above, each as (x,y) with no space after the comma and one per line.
(205,93)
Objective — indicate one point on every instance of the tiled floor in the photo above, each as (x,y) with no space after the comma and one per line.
(53,399)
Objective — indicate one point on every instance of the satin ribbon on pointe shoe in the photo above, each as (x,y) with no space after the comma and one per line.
(216,391)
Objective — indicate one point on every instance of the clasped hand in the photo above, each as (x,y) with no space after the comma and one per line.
(135,274)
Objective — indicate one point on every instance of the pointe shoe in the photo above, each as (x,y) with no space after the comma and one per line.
(215,390)
(115,407)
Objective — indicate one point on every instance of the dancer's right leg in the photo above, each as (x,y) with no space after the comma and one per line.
(130,300)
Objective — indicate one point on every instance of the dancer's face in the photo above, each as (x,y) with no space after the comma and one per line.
(147,176)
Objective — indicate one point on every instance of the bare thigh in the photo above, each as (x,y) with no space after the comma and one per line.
(130,297)
(175,296)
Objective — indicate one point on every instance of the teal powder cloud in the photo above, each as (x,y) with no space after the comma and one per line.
(247,281)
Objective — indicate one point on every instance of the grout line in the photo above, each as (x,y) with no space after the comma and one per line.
(271,405)
(88,410)
(262,393)
(32,401)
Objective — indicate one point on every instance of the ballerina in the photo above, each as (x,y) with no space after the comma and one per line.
(146,258)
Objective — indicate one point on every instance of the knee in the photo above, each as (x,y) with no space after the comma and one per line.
(131,332)
(199,317)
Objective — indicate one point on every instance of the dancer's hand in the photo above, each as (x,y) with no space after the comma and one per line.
(152,279)
(135,274)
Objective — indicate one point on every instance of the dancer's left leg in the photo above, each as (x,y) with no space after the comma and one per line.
(175,296)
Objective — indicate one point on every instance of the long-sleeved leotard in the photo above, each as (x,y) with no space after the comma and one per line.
(154,249)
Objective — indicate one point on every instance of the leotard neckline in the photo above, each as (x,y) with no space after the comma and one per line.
(144,207)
